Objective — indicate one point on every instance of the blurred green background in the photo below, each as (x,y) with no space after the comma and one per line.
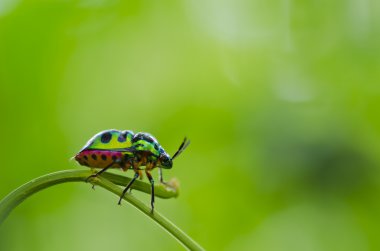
(280,99)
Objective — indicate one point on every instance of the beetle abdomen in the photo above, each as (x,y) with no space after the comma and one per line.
(101,158)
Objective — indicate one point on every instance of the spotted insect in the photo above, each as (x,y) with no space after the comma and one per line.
(126,150)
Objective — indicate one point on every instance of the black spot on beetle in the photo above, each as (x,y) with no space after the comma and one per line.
(143,136)
(121,138)
(104,157)
(136,138)
(114,157)
(85,157)
(94,156)
(106,137)
(148,139)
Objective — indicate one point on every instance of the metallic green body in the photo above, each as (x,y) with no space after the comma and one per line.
(124,149)
(118,140)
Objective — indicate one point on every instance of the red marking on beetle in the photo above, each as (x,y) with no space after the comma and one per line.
(95,159)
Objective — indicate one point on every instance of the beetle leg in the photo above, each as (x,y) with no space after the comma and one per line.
(160,175)
(102,171)
(140,177)
(126,163)
(128,186)
(152,188)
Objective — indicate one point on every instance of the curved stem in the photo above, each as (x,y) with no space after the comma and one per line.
(107,181)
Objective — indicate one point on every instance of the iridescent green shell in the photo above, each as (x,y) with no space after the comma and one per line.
(122,147)
(145,142)
(110,140)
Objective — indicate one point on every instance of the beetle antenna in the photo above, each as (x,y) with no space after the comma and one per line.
(181,148)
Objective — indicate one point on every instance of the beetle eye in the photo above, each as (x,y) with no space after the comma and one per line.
(164,159)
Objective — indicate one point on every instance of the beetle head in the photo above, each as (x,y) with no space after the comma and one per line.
(166,161)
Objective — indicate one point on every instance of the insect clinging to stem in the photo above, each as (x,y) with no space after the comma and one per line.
(126,150)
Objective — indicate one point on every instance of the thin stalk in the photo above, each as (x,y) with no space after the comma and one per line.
(107,181)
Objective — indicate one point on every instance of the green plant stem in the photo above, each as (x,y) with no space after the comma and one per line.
(107,181)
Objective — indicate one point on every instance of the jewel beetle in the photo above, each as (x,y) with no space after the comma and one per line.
(127,150)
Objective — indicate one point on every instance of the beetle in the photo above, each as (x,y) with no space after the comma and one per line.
(126,150)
